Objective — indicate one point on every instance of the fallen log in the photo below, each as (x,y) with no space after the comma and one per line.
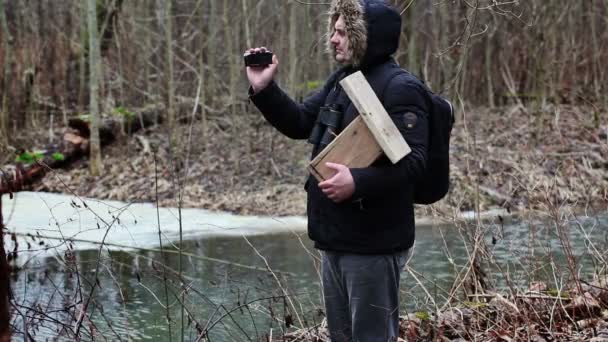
(74,145)
(17,177)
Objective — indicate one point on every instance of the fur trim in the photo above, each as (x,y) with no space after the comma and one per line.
(356,28)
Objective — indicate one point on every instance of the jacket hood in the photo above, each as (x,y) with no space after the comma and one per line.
(373,28)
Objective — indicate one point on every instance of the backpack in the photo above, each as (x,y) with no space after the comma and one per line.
(434,184)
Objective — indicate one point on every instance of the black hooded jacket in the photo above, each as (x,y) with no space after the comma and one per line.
(379,218)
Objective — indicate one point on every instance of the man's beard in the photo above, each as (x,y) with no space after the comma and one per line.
(346,58)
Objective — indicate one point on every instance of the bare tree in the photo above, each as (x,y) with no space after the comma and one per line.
(412,48)
(82,60)
(211,49)
(95,74)
(230,34)
(246,27)
(204,42)
(294,52)
(168,19)
(6,80)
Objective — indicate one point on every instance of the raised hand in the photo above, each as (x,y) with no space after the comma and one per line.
(260,77)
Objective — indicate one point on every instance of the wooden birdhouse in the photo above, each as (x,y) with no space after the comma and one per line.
(366,138)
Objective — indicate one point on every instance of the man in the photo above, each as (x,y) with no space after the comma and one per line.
(362,219)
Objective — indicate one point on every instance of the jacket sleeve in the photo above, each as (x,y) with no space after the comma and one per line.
(295,120)
(406,103)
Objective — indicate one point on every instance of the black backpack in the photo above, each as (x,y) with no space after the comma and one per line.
(435,182)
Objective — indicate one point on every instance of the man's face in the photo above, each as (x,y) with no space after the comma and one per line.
(339,41)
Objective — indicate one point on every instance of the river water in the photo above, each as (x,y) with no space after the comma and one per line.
(229,288)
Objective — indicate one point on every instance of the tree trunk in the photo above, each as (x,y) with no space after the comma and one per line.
(283,18)
(488,68)
(203,75)
(307,30)
(148,60)
(82,62)
(446,62)
(121,73)
(321,58)
(294,51)
(230,38)
(412,48)
(169,71)
(595,51)
(6,78)
(230,35)
(211,50)
(95,74)
(246,24)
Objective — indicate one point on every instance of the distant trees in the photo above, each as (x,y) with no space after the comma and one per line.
(487,53)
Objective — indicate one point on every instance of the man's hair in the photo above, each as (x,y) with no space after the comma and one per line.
(353,14)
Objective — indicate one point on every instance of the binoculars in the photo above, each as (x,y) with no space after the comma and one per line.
(326,126)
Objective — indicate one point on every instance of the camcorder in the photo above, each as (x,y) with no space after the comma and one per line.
(257,59)
(326,126)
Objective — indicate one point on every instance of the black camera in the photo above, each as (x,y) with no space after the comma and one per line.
(326,126)
(257,59)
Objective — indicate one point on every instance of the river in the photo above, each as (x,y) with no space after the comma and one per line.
(226,264)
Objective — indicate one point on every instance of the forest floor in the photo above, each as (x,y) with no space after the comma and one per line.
(511,157)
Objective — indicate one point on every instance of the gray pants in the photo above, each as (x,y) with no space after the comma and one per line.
(362,296)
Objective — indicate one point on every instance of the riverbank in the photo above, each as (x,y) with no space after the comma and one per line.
(510,158)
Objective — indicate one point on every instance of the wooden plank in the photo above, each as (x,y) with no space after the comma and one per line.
(354,147)
(375,116)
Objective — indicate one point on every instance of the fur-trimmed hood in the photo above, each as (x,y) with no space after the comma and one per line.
(373,28)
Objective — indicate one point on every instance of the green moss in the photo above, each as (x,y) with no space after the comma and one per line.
(29,157)
(86,117)
(475,305)
(312,85)
(309,86)
(423,315)
(124,113)
(58,156)
(557,293)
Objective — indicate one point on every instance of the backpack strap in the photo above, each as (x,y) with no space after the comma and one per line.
(397,70)
(431,96)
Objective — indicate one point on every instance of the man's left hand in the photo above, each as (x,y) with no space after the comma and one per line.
(339,187)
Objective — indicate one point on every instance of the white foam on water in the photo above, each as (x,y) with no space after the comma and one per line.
(84,222)
(55,218)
